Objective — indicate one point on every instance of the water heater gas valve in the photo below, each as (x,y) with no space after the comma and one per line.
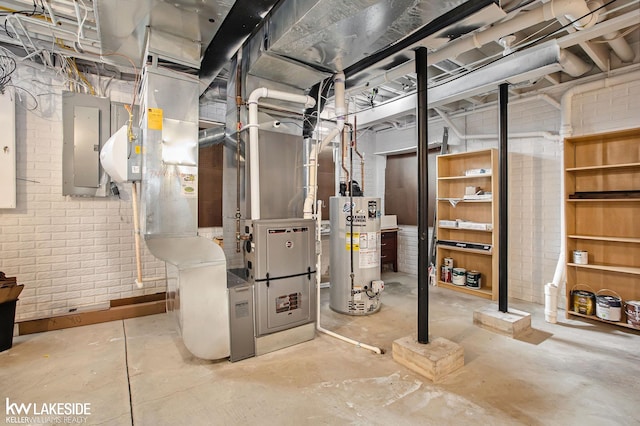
(377,286)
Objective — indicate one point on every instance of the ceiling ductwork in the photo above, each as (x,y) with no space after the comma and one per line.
(308,40)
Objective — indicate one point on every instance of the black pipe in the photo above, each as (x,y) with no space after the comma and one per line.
(503,199)
(451,17)
(423,197)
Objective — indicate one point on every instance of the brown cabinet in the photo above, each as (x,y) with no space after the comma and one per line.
(602,207)
(389,251)
(467,229)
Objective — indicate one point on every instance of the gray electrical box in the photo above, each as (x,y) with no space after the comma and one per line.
(85,127)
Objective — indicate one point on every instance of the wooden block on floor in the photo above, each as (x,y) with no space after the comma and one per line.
(512,323)
(434,360)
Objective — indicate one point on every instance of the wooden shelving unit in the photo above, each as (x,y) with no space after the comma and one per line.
(607,228)
(452,182)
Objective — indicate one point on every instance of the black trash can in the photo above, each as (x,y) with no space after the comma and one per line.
(7,321)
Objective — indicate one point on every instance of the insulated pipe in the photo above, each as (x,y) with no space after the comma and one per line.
(254,166)
(341,111)
(617,42)
(374,349)
(212,136)
(571,9)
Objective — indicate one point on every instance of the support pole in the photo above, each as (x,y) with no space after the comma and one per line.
(423,198)
(503,197)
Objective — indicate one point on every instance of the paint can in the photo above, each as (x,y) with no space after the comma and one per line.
(608,307)
(632,309)
(580,257)
(445,274)
(459,276)
(474,279)
(448,261)
(582,301)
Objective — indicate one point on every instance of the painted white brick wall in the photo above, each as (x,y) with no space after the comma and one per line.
(535,168)
(69,252)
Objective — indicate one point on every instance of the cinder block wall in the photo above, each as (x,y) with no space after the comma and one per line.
(69,252)
(535,167)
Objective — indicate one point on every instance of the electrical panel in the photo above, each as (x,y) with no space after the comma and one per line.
(7,151)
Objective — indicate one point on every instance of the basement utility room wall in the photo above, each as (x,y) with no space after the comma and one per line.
(69,252)
(535,167)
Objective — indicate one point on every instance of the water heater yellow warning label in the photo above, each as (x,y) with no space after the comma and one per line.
(356,241)
(154,118)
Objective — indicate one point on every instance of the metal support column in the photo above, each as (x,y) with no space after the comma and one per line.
(423,198)
(503,197)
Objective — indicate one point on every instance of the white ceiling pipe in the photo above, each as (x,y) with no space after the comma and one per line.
(571,9)
(341,111)
(617,42)
(573,65)
(253,125)
(541,134)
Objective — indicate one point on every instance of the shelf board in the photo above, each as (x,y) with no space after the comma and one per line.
(604,167)
(462,200)
(601,200)
(620,269)
(612,239)
(466,250)
(593,317)
(464,229)
(482,292)
(464,177)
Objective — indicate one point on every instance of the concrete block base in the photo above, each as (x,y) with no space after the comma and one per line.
(433,360)
(513,323)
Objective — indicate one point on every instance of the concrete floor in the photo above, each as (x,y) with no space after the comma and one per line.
(138,372)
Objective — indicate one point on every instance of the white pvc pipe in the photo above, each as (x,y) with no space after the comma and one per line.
(254,165)
(541,134)
(318,279)
(572,9)
(618,44)
(341,111)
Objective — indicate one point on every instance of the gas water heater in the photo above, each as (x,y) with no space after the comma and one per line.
(355,255)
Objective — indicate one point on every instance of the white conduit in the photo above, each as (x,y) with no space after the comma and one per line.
(318,279)
(136,236)
(566,130)
(541,134)
(341,111)
(253,125)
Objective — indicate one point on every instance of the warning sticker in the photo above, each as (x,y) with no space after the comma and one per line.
(356,241)
(154,118)
(369,255)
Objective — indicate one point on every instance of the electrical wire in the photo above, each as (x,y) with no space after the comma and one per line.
(7,68)
(19,96)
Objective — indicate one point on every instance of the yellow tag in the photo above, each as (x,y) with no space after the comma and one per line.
(356,241)
(137,149)
(154,118)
